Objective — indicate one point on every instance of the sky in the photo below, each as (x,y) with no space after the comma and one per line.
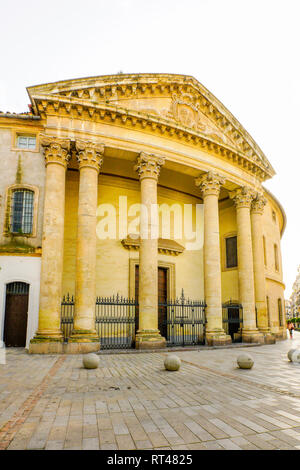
(246,52)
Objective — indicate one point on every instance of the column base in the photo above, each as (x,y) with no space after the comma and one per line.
(149,339)
(46,342)
(83,336)
(269,338)
(54,347)
(82,341)
(77,347)
(217,338)
(252,336)
(280,335)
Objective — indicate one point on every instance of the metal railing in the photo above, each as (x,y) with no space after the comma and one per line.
(232,316)
(185,321)
(115,322)
(67,315)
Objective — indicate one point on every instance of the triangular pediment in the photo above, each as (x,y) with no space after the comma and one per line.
(177,100)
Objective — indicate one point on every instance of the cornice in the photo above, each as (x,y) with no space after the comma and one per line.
(110,87)
(275,200)
(164,246)
(83,109)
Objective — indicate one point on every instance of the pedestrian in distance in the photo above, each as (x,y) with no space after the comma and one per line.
(291,329)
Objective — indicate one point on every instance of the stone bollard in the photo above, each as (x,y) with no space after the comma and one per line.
(245,361)
(289,354)
(296,356)
(172,362)
(90,361)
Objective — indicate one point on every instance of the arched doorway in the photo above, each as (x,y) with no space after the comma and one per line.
(16,313)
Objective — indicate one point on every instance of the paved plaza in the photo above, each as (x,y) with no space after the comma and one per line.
(131,402)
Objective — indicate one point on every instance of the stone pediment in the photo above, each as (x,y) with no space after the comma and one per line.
(164,245)
(166,101)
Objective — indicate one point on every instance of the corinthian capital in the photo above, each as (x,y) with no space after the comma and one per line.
(56,149)
(210,183)
(242,197)
(89,154)
(258,204)
(148,166)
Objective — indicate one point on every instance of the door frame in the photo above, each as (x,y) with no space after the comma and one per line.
(171,281)
(11,281)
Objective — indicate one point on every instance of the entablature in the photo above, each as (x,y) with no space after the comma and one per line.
(174,106)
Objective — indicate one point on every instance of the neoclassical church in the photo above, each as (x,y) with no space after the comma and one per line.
(133,214)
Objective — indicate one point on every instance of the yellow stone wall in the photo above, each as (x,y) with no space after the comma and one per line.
(113,260)
(228,227)
(274,283)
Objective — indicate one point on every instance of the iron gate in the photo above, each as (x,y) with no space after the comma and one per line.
(232,313)
(185,321)
(67,316)
(115,322)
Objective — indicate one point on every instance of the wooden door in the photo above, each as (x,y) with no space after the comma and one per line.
(162,299)
(16,307)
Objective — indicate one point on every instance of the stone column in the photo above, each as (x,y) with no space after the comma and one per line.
(210,184)
(49,337)
(148,336)
(257,209)
(84,337)
(243,198)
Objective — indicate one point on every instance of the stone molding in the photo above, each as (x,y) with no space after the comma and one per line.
(165,246)
(258,204)
(210,183)
(243,197)
(100,98)
(89,154)
(148,165)
(56,149)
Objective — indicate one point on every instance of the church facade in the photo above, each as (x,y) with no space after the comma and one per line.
(133,207)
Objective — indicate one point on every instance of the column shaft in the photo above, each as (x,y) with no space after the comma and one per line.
(257,209)
(148,260)
(243,199)
(56,156)
(84,337)
(85,298)
(210,185)
(148,335)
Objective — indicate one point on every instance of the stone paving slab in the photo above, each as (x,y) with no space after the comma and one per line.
(131,402)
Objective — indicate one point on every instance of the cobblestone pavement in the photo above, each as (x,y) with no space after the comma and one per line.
(131,402)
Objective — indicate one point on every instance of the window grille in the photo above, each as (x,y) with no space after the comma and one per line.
(22,211)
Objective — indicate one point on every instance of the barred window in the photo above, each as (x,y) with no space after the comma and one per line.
(22,211)
(26,142)
(231,252)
